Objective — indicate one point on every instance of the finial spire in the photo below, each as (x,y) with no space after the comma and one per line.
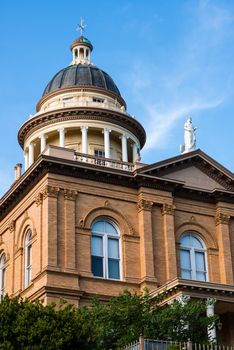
(81,26)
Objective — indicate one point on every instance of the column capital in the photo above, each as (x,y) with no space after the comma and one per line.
(11,225)
(50,191)
(43,135)
(39,199)
(143,204)
(167,209)
(124,136)
(107,130)
(84,127)
(70,194)
(221,218)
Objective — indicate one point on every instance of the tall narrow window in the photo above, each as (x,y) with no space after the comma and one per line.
(105,252)
(193,258)
(2,275)
(28,258)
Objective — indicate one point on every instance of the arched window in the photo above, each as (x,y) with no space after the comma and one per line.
(28,258)
(2,275)
(105,251)
(193,258)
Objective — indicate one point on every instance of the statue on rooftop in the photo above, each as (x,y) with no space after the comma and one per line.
(189,137)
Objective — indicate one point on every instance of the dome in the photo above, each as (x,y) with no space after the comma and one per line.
(81,75)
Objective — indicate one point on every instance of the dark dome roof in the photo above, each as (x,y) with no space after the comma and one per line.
(81,75)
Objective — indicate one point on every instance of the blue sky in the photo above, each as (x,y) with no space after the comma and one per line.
(170,59)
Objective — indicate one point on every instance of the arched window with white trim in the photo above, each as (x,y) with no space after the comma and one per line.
(193,259)
(28,258)
(105,250)
(2,275)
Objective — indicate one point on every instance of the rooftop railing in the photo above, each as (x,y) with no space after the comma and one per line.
(103,162)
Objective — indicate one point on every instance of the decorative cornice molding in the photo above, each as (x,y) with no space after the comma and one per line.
(167,209)
(70,194)
(143,204)
(221,218)
(81,113)
(50,191)
(11,225)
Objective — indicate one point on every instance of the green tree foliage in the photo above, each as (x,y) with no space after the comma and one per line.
(102,326)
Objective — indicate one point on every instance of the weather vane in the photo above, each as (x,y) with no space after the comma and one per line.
(81,26)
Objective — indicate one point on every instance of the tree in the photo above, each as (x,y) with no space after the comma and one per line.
(31,325)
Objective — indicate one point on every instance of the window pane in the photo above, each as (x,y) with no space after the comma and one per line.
(29,255)
(186,274)
(201,276)
(185,259)
(113,267)
(113,248)
(96,246)
(185,241)
(98,226)
(200,261)
(97,266)
(196,243)
(109,228)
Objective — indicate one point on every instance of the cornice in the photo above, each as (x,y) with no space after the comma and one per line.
(46,164)
(81,113)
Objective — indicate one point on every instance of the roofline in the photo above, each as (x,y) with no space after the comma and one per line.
(186,156)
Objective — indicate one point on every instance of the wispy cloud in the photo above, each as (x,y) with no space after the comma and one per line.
(193,78)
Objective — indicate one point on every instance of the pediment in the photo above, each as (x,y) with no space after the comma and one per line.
(194,170)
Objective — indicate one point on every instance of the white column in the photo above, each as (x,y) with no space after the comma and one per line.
(25,159)
(30,154)
(61,137)
(210,312)
(42,137)
(134,152)
(124,148)
(84,130)
(107,142)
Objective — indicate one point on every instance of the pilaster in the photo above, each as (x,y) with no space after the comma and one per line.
(69,229)
(224,244)
(169,239)
(49,225)
(146,240)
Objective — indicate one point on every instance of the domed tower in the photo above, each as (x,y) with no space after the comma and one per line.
(82,109)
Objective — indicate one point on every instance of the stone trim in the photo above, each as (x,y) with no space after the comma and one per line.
(143,204)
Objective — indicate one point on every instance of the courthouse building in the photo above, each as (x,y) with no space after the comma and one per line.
(88,218)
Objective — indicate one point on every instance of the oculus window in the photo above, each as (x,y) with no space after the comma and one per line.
(193,261)
(105,250)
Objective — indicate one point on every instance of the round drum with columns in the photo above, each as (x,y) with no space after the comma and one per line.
(82,109)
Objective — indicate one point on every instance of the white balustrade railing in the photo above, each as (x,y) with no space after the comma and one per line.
(104,162)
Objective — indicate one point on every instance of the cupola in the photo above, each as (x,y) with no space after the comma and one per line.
(82,109)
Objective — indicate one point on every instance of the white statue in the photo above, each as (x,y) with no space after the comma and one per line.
(189,137)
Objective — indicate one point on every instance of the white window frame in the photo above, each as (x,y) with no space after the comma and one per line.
(2,275)
(192,256)
(28,258)
(105,236)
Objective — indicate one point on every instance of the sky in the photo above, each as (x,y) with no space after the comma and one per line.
(169,59)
